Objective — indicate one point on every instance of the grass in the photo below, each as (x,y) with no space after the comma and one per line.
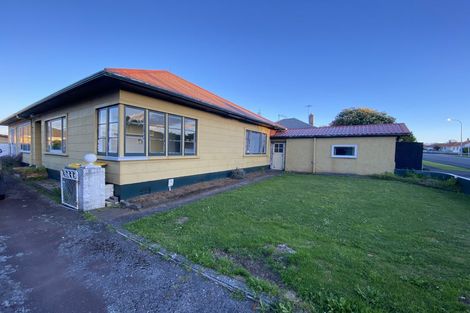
(445,167)
(362,244)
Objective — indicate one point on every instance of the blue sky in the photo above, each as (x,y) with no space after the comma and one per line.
(408,58)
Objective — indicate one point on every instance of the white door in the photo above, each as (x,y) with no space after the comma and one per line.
(277,162)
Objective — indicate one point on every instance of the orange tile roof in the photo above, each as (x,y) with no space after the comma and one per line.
(170,82)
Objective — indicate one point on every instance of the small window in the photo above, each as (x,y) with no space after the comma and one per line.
(344,151)
(157,136)
(56,134)
(135,131)
(255,142)
(108,131)
(189,136)
(24,137)
(279,147)
(175,125)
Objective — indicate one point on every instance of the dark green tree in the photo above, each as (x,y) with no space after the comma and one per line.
(366,116)
(361,116)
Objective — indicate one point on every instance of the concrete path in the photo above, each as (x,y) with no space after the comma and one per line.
(52,260)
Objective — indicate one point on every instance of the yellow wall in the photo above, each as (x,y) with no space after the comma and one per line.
(220,145)
(299,155)
(81,135)
(374,155)
(220,142)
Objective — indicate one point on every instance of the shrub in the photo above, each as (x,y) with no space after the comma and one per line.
(238,173)
(7,163)
(31,173)
(450,184)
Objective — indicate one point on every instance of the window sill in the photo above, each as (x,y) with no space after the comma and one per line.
(147,158)
(255,155)
(343,157)
(57,154)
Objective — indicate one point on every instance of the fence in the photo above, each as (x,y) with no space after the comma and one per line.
(409,155)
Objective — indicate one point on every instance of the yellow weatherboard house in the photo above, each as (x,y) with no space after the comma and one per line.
(149,126)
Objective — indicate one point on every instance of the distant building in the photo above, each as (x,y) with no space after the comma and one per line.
(291,123)
(3,138)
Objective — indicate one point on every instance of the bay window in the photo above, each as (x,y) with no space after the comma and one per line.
(134,140)
(56,134)
(108,131)
(255,142)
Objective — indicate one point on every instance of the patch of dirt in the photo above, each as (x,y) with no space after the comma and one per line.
(257,267)
(158,198)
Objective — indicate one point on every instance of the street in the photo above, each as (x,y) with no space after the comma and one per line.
(454,160)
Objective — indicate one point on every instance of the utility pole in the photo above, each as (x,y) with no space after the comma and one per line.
(461,133)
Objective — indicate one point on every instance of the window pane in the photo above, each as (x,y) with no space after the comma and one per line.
(174,134)
(174,147)
(157,146)
(347,151)
(102,131)
(102,116)
(156,133)
(102,145)
(113,114)
(135,144)
(64,134)
(189,148)
(174,121)
(189,124)
(112,145)
(113,130)
(255,142)
(135,121)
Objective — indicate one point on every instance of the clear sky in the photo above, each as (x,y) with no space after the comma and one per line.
(408,58)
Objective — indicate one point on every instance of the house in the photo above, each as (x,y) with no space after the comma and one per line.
(150,126)
(361,149)
(295,123)
(3,139)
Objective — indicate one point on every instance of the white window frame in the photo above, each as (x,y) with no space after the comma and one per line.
(20,136)
(62,150)
(333,155)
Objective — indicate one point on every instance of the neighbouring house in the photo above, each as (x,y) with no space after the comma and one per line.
(151,126)
(296,123)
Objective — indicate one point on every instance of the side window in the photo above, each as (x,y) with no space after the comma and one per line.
(255,142)
(108,131)
(344,151)
(190,134)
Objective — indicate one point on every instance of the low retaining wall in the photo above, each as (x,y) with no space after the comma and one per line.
(463,182)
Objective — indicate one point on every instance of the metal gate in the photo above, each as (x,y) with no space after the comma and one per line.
(69,187)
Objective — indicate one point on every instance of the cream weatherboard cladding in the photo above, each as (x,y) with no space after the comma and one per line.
(220,145)
(313,155)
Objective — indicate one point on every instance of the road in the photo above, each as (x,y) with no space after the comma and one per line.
(447,159)
(53,260)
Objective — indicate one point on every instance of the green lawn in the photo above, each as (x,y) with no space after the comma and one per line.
(362,244)
(445,167)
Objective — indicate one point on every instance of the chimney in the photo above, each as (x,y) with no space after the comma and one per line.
(310,119)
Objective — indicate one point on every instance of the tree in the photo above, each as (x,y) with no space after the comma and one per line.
(407,138)
(361,116)
(366,116)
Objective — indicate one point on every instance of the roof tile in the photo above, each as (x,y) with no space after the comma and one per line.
(397,129)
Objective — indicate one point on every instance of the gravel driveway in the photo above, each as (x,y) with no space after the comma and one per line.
(52,260)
